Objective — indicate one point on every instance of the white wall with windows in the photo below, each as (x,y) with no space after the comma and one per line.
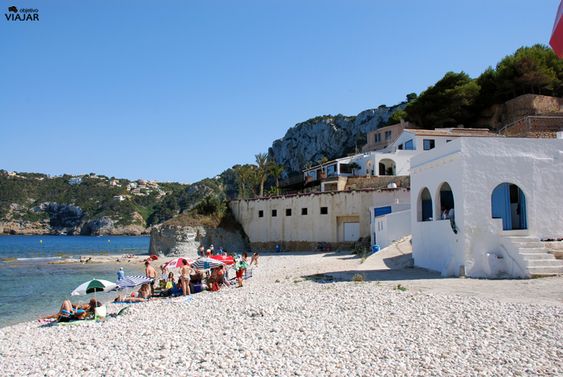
(318,217)
(469,195)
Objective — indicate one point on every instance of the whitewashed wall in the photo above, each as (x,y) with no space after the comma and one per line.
(391,227)
(435,245)
(474,167)
(346,206)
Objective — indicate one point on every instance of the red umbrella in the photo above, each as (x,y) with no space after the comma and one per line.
(177,263)
(153,257)
(556,40)
(226,259)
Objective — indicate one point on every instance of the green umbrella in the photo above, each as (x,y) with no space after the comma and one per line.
(93,286)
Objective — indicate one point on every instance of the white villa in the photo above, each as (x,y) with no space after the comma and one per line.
(481,206)
(394,160)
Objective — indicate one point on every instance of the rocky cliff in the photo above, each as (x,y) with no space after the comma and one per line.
(183,235)
(327,136)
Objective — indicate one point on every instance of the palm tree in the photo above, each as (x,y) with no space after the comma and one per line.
(276,171)
(246,175)
(262,171)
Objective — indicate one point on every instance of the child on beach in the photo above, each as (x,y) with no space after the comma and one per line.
(241,267)
(254,259)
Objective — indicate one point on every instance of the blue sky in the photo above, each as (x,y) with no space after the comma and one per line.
(181,90)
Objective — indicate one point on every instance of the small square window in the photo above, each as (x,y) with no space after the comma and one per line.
(274,213)
(428,144)
(288,211)
(324,210)
(260,213)
(304,211)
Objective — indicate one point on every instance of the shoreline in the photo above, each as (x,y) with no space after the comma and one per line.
(289,319)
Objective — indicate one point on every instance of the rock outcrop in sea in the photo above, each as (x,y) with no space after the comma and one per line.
(327,136)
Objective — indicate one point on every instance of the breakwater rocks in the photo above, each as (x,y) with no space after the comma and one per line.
(172,240)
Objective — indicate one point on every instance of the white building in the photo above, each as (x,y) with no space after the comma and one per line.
(75,181)
(389,224)
(504,195)
(297,221)
(394,160)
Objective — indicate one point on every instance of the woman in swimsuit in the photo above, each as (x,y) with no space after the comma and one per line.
(185,277)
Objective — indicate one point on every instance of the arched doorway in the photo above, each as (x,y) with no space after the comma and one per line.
(424,205)
(508,203)
(444,201)
(386,167)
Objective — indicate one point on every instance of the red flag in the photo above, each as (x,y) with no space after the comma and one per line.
(556,40)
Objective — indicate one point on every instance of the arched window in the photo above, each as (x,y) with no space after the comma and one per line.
(424,206)
(444,202)
(387,167)
(508,203)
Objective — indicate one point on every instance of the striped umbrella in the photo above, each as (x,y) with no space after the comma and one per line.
(206,263)
(93,286)
(132,281)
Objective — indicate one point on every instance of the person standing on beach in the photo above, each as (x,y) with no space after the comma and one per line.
(185,277)
(150,272)
(120,274)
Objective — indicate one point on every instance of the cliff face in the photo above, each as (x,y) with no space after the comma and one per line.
(56,218)
(328,136)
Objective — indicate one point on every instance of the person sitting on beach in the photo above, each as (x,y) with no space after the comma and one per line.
(185,277)
(170,281)
(142,295)
(72,312)
(216,278)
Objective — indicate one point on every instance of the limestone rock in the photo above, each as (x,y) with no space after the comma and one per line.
(328,136)
(185,240)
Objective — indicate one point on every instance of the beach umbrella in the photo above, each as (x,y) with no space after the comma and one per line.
(177,263)
(206,263)
(93,286)
(556,40)
(226,259)
(132,281)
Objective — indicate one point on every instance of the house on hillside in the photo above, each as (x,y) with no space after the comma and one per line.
(481,206)
(382,137)
(392,161)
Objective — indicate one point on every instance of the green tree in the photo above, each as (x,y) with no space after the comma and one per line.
(247,180)
(262,170)
(447,103)
(276,171)
(535,70)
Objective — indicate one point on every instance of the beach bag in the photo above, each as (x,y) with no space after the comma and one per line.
(100,313)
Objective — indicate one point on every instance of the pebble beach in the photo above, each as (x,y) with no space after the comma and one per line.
(292,318)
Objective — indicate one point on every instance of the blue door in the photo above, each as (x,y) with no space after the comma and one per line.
(508,203)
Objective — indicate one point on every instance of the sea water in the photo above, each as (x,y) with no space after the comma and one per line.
(31,286)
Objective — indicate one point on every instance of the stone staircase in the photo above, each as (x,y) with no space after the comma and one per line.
(537,259)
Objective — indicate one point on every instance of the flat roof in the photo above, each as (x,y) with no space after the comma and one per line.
(453,132)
